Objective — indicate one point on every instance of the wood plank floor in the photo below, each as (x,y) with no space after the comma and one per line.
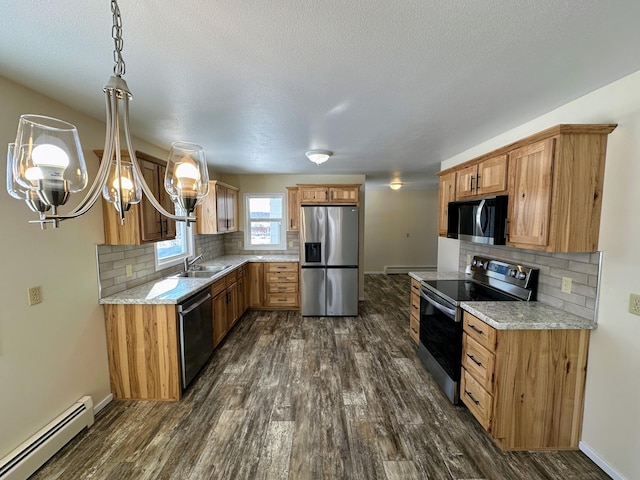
(314,398)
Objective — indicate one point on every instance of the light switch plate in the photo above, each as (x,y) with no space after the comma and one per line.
(566,284)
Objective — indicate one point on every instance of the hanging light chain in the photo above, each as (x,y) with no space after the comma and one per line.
(116,32)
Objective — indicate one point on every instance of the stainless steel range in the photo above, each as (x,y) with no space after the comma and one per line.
(441,316)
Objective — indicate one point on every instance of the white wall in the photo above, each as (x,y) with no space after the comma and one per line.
(53,353)
(611,430)
(401,229)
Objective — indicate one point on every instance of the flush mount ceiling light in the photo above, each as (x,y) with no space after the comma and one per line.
(46,163)
(395,185)
(318,156)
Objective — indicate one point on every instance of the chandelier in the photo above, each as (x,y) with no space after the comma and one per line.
(45,165)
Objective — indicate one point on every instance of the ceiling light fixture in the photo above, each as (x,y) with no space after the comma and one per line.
(46,163)
(318,156)
(395,185)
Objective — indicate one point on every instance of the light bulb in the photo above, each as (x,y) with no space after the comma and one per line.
(33,174)
(47,155)
(186,169)
(127,184)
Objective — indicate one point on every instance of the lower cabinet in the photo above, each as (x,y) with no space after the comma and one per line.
(274,286)
(525,387)
(414,315)
(227,304)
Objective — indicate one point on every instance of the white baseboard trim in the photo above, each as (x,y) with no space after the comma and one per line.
(374,273)
(103,403)
(598,460)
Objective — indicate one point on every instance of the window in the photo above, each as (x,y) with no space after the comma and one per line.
(264,222)
(173,252)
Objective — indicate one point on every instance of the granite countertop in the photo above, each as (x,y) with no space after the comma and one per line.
(171,290)
(514,315)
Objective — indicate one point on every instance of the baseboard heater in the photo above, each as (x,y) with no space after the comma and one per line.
(396,269)
(33,453)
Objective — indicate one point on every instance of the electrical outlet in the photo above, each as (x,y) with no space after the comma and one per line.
(291,244)
(566,285)
(128,270)
(199,251)
(468,259)
(634,304)
(35,295)
(239,243)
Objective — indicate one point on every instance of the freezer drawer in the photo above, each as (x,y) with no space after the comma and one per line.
(342,291)
(312,292)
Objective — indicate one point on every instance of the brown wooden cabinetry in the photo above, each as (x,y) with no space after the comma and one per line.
(414,315)
(293,209)
(256,285)
(554,182)
(446,194)
(219,211)
(143,223)
(281,280)
(484,178)
(525,387)
(328,194)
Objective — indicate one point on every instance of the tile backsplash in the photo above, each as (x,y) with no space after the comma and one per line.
(582,268)
(112,259)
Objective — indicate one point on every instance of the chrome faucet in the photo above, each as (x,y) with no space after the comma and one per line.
(189,262)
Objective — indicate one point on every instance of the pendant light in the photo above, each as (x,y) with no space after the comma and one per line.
(46,164)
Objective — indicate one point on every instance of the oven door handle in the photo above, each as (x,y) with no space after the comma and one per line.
(438,306)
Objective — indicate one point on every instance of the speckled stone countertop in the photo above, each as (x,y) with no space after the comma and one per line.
(526,316)
(514,315)
(172,290)
(431,275)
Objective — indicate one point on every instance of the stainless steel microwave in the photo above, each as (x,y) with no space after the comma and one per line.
(482,220)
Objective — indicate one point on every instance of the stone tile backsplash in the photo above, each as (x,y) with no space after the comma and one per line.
(112,259)
(582,268)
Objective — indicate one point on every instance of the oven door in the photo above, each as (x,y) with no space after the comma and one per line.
(441,341)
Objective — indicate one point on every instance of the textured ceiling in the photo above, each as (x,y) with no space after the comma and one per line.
(392,87)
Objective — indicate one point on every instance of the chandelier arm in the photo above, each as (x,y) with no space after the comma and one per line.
(136,167)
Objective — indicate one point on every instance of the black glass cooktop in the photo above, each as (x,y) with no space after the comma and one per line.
(466,291)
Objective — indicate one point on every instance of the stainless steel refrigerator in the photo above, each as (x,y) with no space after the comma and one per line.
(329,260)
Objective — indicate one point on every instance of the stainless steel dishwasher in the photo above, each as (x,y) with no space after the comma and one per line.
(196,334)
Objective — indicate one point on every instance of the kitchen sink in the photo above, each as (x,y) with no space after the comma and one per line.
(201,271)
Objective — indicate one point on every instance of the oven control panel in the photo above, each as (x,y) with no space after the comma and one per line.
(490,270)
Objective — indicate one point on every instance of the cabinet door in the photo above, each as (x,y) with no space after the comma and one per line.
(343,194)
(232,305)
(293,209)
(492,176)
(206,212)
(221,208)
(256,288)
(219,317)
(240,296)
(168,226)
(446,194)
(313,194)
(466,181)
(231,207)
(530,177)
(150,218)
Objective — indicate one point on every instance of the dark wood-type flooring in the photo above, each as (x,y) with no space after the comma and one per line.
(314,398)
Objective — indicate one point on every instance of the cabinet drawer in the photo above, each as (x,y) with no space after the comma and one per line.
(283,277)
(480,331)
(476,398)
(282,288)
(231,277)
(281,267)
(415,287)
(414,329)
(415,303)
(282,300)
(218,287)
(478,361)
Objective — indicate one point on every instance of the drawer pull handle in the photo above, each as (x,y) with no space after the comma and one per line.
(476,329)
(473,359)
(468,393)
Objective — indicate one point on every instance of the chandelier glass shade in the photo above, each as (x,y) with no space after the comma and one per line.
(45,165)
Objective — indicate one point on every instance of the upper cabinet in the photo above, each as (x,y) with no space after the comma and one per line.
(554,184)
(488,177)
(328,194)
(293,209)
(219,211)
(446,194)
(143,223)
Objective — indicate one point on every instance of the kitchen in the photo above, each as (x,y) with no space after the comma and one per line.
(56,354)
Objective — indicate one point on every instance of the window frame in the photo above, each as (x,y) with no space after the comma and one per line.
(187,233)
(282,245)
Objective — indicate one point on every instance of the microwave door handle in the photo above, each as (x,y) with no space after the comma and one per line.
(479,217)
(438,306)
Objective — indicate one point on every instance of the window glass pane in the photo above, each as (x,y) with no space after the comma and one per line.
(170,248)
(265,207)
(265,233)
